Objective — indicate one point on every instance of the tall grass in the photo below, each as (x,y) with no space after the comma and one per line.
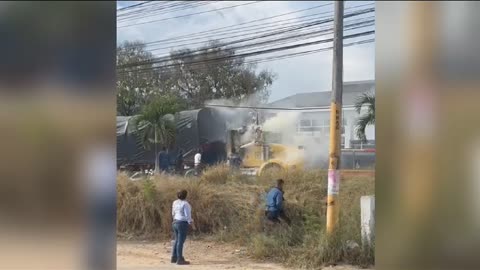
(230,207)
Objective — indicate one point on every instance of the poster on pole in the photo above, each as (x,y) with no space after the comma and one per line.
(333,182)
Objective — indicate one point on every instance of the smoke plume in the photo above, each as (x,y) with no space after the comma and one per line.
(282,123)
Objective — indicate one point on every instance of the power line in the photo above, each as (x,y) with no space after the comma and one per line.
(291,40)
(354,25)
(249,54)
(270,34)
(294,38)
(253,28)
(236,25)
(258,52)
(204,50)
(154,6)
(148,10)
(133,6)
(198,67)
(160,11)
(191,14)
(239,35)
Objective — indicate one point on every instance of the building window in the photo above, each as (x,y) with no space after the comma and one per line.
(315,122)
(317,127)
(305,123)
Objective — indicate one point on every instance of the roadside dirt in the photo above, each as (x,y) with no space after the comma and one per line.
(203,255)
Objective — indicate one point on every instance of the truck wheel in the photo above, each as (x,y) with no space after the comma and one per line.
(191,173)
(271,169)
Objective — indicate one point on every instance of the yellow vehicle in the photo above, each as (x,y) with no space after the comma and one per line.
(265,157)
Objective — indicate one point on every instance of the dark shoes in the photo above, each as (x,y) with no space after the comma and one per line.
(183,262)
(179,261)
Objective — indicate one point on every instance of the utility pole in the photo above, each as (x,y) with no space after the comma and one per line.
(335,121)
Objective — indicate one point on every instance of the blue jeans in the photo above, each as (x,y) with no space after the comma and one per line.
(180,229)
(276,215)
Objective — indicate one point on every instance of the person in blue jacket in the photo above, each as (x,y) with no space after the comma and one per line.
(274,204)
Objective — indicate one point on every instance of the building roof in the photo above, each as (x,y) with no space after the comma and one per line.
(351,90)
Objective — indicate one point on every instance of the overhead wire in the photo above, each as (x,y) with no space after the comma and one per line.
(199,67)
(303,36)
(190,35)
(156,5)
(248,51)
(188,15)
(238,32)
(133,6)
(161,11)
(205,49)
(154,49)
(243,55)
(348,28)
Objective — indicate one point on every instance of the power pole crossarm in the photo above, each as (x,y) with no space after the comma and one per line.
(335,121)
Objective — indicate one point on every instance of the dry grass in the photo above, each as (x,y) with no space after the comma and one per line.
(230,206)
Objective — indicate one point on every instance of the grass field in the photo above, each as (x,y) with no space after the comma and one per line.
(229,207)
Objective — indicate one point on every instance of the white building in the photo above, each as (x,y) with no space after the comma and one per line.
(314,124)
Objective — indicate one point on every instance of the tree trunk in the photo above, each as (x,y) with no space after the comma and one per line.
(157,169)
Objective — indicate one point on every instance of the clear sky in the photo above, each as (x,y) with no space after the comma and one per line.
(307,73)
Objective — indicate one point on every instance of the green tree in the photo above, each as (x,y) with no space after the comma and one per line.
(368,118)
(135,84)
(214,72)
(155,125)
(210,73)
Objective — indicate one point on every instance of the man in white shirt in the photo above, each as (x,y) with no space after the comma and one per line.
(197,160)
(182,217)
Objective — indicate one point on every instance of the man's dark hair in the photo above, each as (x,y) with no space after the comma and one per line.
(182,194)
(164,148)
(279,182)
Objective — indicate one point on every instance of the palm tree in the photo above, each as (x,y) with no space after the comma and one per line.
(368,118)
(154,126)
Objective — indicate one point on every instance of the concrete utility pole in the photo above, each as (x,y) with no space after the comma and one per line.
(335,121)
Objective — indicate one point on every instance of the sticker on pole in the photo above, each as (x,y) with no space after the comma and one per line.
(333,182)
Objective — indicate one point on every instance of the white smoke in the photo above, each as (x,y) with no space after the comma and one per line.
(285,123)
(282,123)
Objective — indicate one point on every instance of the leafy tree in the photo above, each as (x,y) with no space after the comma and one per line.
(153,124)
(214,72)
(135,84)
(368,118)
(195,76)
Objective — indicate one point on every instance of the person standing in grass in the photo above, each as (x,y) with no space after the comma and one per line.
(274,201)
(179,162)
(163,160)
(182,218)
(197,159)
